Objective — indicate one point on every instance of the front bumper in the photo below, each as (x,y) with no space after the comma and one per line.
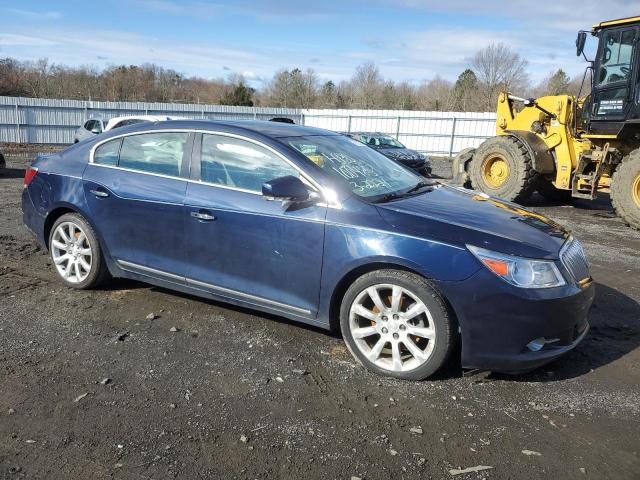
(499,321)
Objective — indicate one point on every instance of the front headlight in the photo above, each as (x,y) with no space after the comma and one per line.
(519,271)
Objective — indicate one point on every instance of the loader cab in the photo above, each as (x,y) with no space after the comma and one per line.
(615,89)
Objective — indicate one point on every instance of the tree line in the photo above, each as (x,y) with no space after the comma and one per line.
(490,70)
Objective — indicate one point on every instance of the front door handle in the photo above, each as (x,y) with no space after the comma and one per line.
(99,193)
(201,215)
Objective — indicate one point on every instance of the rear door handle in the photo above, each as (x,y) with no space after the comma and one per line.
(99,193)
(204,216)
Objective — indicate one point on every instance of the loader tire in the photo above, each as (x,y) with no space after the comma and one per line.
(502,167)
(551,193)
(460,167)
(625,190)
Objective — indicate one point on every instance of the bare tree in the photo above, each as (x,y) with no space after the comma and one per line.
(367,84)
(498,68)
(435,95)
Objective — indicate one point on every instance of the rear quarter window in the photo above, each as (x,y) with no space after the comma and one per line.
(108,153)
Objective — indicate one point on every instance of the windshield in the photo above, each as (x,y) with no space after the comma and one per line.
(368,173)
(616,54)
(381,141)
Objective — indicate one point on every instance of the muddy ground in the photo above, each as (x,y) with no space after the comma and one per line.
(90,388)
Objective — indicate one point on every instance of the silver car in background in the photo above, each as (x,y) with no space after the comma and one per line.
(95,126)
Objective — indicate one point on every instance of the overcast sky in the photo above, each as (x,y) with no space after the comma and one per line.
(409,40)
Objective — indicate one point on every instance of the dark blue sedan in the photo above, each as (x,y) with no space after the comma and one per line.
(391,148)
(316,227)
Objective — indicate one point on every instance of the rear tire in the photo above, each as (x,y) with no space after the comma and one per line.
(551,193)
(502,167)
(410,337)
(75,252)
(625,190)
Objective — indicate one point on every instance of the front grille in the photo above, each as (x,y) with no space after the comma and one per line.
(574,260)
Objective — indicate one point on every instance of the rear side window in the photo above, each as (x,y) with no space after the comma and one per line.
(241,164)
(107,153)
(161,153)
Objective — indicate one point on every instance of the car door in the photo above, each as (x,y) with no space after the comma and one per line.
(241,245)
(135,187)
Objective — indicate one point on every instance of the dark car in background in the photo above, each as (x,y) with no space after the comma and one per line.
(393,149)
(316,227)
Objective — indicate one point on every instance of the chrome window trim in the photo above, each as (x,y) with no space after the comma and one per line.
(131,267)
(141,172)
(302,173)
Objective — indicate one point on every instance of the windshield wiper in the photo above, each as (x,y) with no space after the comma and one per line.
(418,186)
(387,197)
(394,195)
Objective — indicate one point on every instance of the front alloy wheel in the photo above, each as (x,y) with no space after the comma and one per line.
(396,323)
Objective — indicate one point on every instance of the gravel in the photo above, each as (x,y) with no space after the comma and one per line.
(182,402)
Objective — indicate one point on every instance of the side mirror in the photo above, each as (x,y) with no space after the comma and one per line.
(580,41)
(96,130)
(288,188)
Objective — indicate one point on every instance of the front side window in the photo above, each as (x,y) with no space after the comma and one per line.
(367,172)
(617,51)
(161,153)
(237,163)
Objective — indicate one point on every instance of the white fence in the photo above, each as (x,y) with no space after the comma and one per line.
(443,133)
(34,120)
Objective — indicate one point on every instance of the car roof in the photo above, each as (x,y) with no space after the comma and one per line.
(263,127)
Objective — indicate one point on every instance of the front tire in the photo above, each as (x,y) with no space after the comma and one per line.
(502,167)
(625,190)
(395,323)
(76,253)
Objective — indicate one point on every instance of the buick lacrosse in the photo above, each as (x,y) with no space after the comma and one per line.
(316,227)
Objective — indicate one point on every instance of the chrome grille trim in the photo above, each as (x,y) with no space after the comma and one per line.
(574,260)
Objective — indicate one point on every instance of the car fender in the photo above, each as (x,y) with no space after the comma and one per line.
(360,249)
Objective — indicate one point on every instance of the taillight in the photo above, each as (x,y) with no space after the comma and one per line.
(29,174)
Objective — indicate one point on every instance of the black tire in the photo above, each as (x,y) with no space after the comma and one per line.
(445,337)
(520,181)
(460,167)
(625,195)
(99,272)
(551,193)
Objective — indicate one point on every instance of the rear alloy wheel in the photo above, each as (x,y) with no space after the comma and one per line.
(502,167)
(625,189)
(395,323)
(75,252)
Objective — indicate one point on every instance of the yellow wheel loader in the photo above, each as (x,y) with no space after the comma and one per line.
(566,147)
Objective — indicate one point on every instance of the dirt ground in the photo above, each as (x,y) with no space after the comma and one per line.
(91,388)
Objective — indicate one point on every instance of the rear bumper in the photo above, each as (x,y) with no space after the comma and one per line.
(32,219)
(499,322)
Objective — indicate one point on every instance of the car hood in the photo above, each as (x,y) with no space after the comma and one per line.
(400,153)
(457,216)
